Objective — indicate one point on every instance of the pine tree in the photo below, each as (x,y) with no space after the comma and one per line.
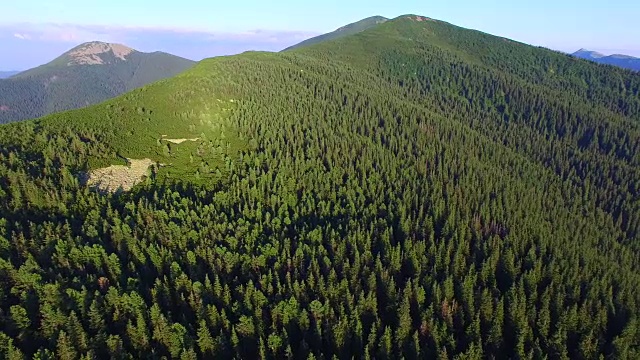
(495,337)
(64,348)
(188,354)
(76,333)
(205,340)
(275,343)
(96,319)
(405,321)
(115,346)
(138,334)
(385,345)
(20,320)
(8,350)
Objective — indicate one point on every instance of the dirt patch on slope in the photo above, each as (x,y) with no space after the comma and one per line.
(421,18)
(178,141)
(119,177)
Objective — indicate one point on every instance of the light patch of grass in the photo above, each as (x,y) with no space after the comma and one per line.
(187,107)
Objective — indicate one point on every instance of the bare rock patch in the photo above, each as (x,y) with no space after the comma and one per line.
(119,177)
(178,141)
(88,54)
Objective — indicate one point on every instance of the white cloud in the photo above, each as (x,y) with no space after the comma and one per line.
(82,33)
(49,40)
(22,36)
(69,33)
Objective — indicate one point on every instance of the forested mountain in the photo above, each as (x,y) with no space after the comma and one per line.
(6,74)
(87,74)
(623,61)
(346,30)
(416,190)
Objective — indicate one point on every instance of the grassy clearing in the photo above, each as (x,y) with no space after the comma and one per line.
(193,109)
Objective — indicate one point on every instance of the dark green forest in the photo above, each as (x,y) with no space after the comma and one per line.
(416,190)
(56,86)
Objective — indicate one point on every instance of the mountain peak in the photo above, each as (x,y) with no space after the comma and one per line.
(623,61)
(623,57)
(585,53)
(346,30)
(92,53)
(367,22)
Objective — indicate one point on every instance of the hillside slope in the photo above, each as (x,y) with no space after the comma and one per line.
(343,31)
(415,190)
(87,74)
(623,61)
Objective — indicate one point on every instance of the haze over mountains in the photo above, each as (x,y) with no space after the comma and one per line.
(410,190)
(623,61)
(6,74)
(85,75)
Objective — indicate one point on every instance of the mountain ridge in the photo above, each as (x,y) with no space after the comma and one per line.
(619,60)
(7,74)
(342,31)
(86,74)
(92,53)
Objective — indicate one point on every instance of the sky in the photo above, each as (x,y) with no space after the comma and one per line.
(33,32)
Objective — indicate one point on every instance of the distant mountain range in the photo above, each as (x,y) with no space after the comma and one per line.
(87,74)
(623,61)
(346,30)
(6,74)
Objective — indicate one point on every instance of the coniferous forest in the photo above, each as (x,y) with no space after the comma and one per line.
(416,190)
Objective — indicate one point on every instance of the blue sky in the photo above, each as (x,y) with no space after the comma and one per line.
(35,31)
